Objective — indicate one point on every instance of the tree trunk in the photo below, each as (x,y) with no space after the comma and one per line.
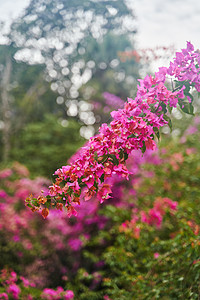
(6,109)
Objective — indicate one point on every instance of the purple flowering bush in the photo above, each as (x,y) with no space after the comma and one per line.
(18,287)
(28,243)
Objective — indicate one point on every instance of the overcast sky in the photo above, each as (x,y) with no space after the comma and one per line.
(160,23)
(168,22)
(10,9)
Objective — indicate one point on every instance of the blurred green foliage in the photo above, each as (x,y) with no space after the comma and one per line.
(46,145)
(29,92)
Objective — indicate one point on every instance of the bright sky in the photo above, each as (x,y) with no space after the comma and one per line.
(167,22)
(10,9)
(160,23)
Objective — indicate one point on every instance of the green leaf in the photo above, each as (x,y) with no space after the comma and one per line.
(125,156)
(121,154)
(95,185)
(34,202)
(141,115)
(186,107)
(143,149)
(79,181)
(157,133)
(169,108)
(131,136)
(95,156)
(102,178)
(164,108)
(165,117)
(114,159)
(105,157)
(192,98)
(187,88)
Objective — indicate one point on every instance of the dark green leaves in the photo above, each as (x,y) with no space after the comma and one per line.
(169,121)
(186,107)
(125,156)
(143,149)
(114,159)
(157,133)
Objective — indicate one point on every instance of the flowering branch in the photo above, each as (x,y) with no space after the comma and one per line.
(133,127)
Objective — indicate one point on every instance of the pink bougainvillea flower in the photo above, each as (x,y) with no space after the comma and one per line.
(4,296)
(71,211)
(15,290)
(68,295)
(156,255)
(104,192)
(133,127)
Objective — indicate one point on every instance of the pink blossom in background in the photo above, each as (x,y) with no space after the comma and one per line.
(26,282)
(14,290)
(190,151)
(156,255)
(106,297)
(75,244)
(5,173)
(113,101)
(154,216)
(3,194)
(69,295)
(59,293)
(4,296)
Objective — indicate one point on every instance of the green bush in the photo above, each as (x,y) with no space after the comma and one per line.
(44,146)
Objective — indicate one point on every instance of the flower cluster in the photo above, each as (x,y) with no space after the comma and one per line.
(19,287)
(59,293)
(15,187)
(22,239)
(9,280)
(133,127)
(153,217)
